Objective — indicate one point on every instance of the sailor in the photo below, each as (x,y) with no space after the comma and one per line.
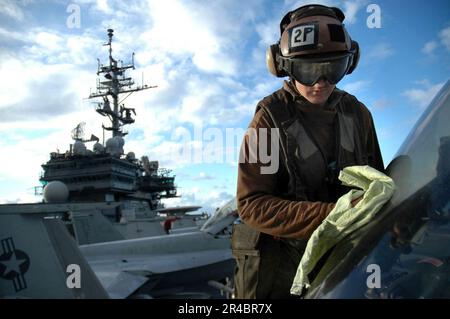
(168,222)
(321,130)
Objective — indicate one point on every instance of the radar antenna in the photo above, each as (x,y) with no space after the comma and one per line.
(78,134)
(113,85)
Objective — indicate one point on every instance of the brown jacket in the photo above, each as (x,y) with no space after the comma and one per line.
(262,200)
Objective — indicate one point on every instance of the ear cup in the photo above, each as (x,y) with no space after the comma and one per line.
(271,61)
(356,55)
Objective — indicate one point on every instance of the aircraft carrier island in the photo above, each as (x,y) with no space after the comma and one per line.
(102,231)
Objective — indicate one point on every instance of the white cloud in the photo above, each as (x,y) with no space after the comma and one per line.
(12,73)
(37,91)
(22,198)
(102,6)
(444,35)
(203,176)
(429,47)
(13,35)
(194,31)
(351,9)
(355,87)
(379,51)
(11,9)
(268,32)
(267,87)
(423,96)
(186,97)
(54,47)
(20,161)
(381,104)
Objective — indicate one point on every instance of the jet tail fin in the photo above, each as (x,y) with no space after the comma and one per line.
(40,259)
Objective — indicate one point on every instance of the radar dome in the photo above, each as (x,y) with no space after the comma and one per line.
(131,156)
(98,148)
(56,192)
(79,148)
(120,140)
(114,146)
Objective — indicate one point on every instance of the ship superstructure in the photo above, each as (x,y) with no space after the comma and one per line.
(104,173)
(126,245)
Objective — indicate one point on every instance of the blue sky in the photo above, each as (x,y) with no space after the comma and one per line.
(207,59)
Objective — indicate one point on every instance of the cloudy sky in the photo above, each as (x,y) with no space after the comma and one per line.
(207,59)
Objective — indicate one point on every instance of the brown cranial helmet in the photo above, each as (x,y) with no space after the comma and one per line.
(314,44)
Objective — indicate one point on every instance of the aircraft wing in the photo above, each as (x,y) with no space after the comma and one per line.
(120,284)
(122,278)
(124,266)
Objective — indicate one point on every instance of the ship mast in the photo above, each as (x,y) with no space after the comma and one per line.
(116,83)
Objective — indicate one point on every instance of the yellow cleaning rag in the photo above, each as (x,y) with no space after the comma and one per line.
(377,189)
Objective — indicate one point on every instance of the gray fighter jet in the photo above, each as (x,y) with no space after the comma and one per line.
(164,266)
(41,259)
(404,252)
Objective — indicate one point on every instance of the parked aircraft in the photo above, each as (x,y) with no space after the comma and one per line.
(405,251)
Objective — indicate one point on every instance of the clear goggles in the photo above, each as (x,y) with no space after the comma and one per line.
(308,71)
